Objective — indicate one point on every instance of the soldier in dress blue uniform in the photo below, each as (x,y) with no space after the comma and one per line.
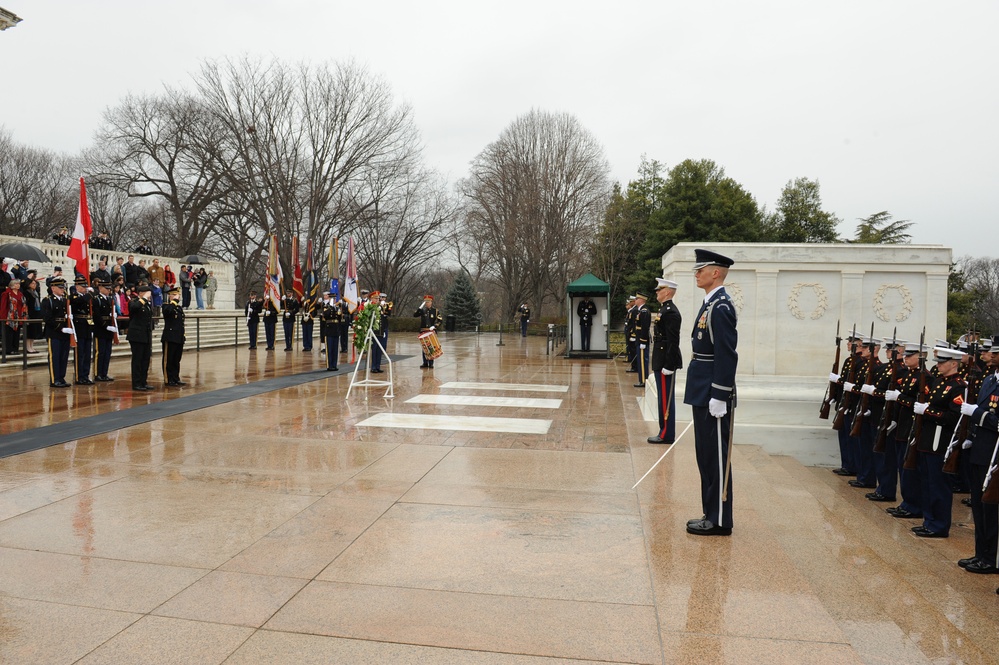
(585,310)
(253,309)
(710,392)
(57,331)
(629,339)
(906,393)
(270,314)
(640,331)
(525,318)
(885,463)
(104,330)
(289,308)
(981,456)
(173,337)
(140,336)
(80,302)
(666,359)
(331,316)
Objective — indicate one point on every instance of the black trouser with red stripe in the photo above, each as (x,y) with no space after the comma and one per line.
(666,389)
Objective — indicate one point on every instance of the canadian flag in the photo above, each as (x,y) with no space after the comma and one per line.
(79,249)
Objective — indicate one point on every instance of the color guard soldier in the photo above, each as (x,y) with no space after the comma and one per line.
(710,391)
(81,304)
(331,316)
(666,359)
(140,337)
(642,328)
(289,308)
(57,331)
(984,415)
(310,309)
(105,330)
(173,336)
(253,309)
(939,420)
(430,318)
(377,351)
(326,301)
(270,314)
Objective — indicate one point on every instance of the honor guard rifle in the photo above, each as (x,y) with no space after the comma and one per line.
(858,418)
(832,390)
(888,414)
(957,439)
(990,489)
(844,403)
(912,452)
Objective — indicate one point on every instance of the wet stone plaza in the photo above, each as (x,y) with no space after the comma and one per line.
(483,515)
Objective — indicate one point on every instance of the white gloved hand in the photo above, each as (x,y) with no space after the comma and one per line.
(848,387)
(641,346)
(919,408)
(433,327)
(631,339)
(68,331)
(867,413)
(717,408)
(867,389)
(892,395)
(112,329)
(833,377)
(965,444)
(667,372)
(968,409)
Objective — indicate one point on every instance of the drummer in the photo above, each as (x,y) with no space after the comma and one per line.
(430,318)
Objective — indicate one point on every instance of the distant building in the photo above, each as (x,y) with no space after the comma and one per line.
(7,19)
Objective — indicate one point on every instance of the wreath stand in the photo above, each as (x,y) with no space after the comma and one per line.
(367,382)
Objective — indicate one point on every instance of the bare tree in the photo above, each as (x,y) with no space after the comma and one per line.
(36,190)
(980,286)
(536,196)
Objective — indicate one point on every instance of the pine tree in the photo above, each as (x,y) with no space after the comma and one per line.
(462,303)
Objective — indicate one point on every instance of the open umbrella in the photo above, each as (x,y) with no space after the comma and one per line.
(23,251)
(191,258)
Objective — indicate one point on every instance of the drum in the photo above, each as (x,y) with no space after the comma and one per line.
(431,346)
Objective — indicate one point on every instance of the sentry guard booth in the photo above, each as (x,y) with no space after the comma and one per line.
(599,292)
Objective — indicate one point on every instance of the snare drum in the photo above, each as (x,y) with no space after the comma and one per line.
(431,346)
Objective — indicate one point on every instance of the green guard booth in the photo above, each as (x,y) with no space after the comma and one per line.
(599,292)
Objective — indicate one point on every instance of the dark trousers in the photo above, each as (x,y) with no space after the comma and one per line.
(584,336)
(332,338)
(886,468)
(629,347)
(270,331)
(102,347)
(641,364)
(289,330)
(846,453)
(307,325)
(84,353)
(344,337)
(172,353)
(252,327)
(376,351)
(58,359)
(523,328)
(938,498)
(666,389)
(865,453)
(908,481)
(986,517)
(711,436)
(185,294)
(141,354)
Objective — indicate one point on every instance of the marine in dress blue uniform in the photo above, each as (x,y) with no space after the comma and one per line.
(984,416)
(906,393)
(641,332)
(886,462)
(710,391)
(666,360)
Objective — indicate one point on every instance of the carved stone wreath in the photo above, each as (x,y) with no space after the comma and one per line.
(734,292)
(820,294)
(879,302)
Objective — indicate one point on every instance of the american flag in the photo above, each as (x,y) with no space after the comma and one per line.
(274,278)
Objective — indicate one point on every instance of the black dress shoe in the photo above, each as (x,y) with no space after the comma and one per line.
(963,563)
(639,385)
(181,383)
(376,371)
(926,533)
(708,528)
(844,472)
(966,501)
(981,567)
(857,483)
(59,384)
(631,371)
(696,520)
(331,369)
(139,388)
(269,348)
(902,513)
(656,439)
(424,365)
(874,496)
(101,379)
(253,348)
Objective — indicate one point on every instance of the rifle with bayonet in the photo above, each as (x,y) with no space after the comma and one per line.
(912,452)
(858,419)
(960,435)
(832,390)
(844,402)
(990,488)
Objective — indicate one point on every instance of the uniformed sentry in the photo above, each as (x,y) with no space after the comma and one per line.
(57,331)
(710,391)
(105,330)
(173,337)
(641,331)
(666,359)
(81,304)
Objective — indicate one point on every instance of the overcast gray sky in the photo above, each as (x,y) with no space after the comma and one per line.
(890,105)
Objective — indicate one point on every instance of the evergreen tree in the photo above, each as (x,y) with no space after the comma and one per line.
(799,216)
(462,303)
(879,229)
